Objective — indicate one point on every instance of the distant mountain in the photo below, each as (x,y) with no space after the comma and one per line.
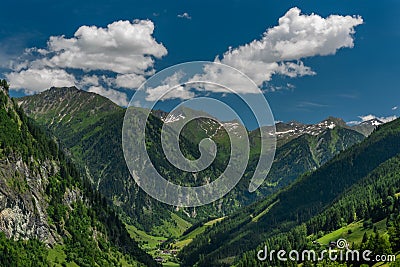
(90,127)
(49,215)
(367,127)
(309,152)
(301,201)
(288,131)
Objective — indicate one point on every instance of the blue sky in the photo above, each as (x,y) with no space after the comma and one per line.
(353,82)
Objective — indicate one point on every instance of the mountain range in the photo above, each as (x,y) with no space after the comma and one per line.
(90,128)
(64,182)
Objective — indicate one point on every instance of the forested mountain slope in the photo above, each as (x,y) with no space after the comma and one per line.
(46,208)
(298,203)
(355,216)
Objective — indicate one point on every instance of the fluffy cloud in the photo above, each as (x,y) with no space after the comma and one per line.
(131,80)
(173,81)
(185,15)
(395,108)
(124,50)
(228,78)
(37,80)
(159,93)
(89,80)
(117,97)
(297,36)
(122,47)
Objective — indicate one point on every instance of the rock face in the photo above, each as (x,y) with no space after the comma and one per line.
(23,205)
(23,200)
(367,127)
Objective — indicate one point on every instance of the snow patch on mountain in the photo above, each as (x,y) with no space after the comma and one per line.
(173,118)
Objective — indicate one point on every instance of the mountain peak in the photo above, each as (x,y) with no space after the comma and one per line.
(368,126)
(294,122)
(332,122)
(64,88)
(69,95)
(337,121)
(71,89)
(373,122)
(293,129)
(65,104)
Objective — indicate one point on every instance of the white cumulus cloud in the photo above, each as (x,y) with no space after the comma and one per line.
(172,83)
(89,80)
(280,50)
(131,80)
(125,51)
(38,80)
(122,47)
